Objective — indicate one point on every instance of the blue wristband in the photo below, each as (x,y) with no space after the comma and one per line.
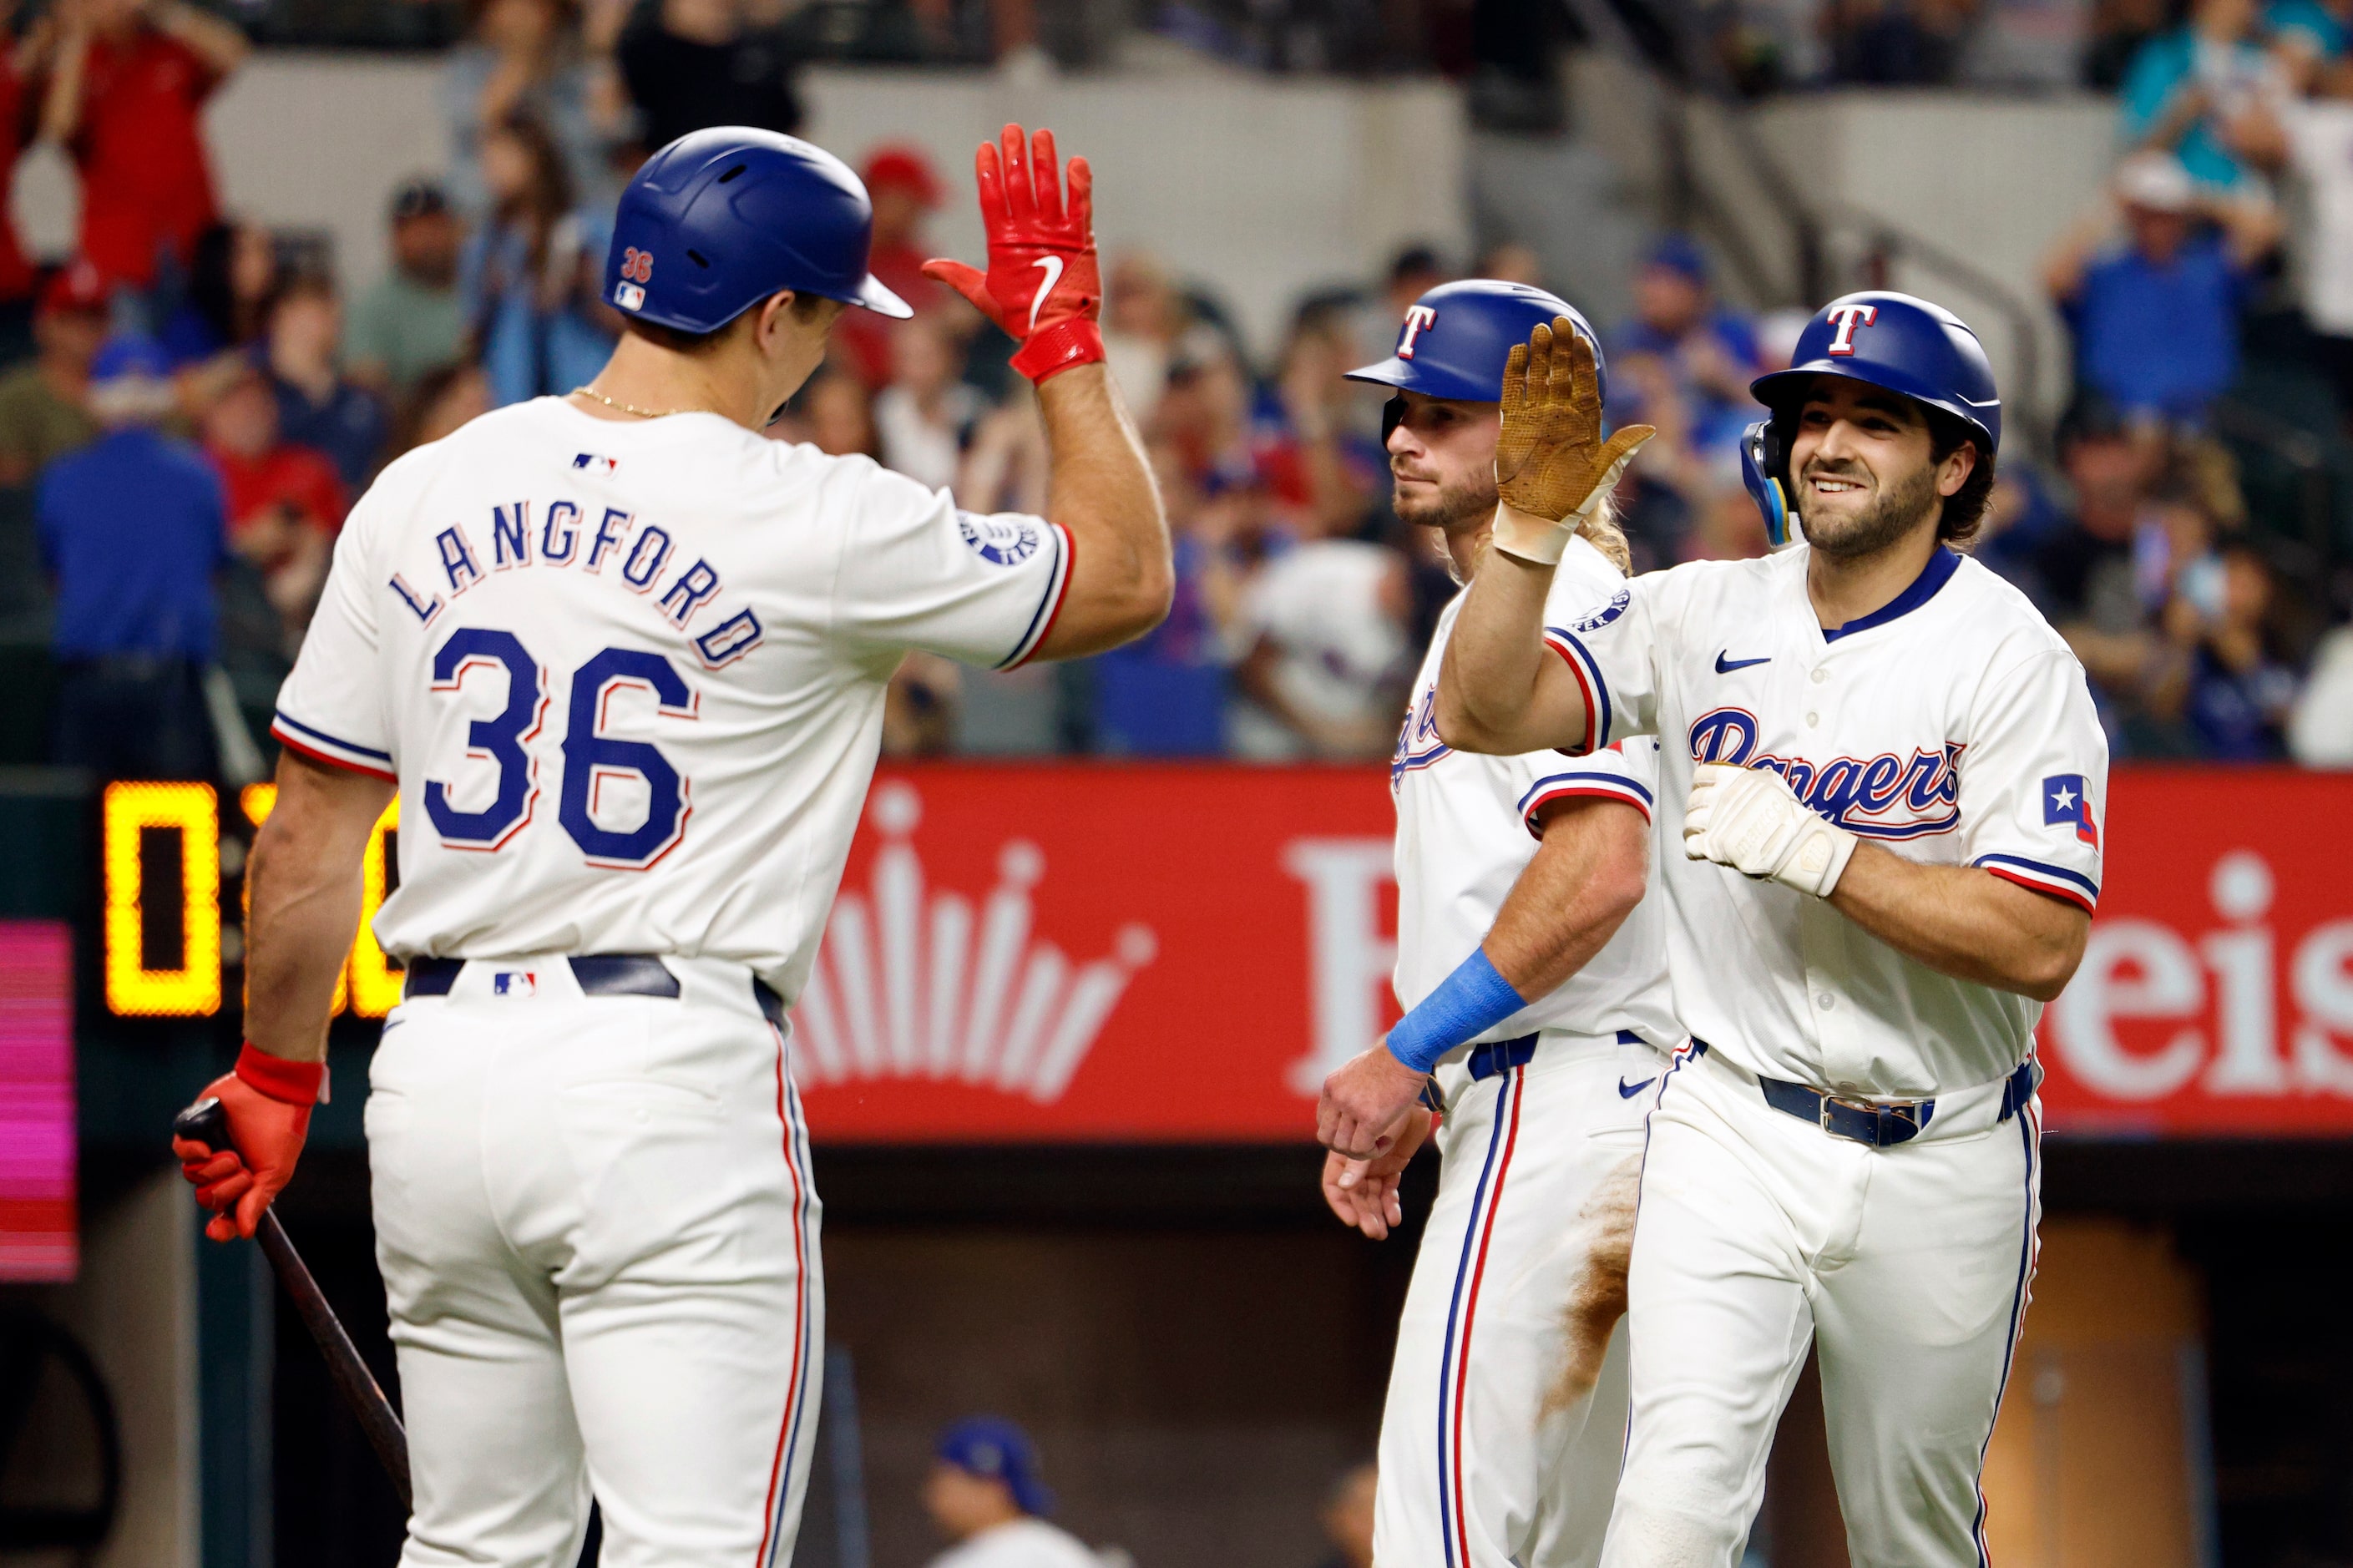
(1468,1003)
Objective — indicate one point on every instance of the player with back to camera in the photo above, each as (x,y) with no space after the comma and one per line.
(1534,970)
(1884,771)
(624,660)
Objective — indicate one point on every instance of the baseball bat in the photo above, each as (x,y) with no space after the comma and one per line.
(206,1122)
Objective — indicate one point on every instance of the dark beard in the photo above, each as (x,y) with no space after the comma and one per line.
(1895,513)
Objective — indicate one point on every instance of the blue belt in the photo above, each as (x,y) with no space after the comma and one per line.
(1883,1126)
(1502,1055)
(598,974)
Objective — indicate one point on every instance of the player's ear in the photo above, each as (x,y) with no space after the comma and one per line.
(1954,470)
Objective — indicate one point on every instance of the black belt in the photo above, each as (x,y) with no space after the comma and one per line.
(1883,1126)
(598,974)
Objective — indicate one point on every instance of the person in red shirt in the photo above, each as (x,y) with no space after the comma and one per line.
(905,190)
(285,502)
(130,81)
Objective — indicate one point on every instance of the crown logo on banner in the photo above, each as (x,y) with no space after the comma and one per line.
(917,983)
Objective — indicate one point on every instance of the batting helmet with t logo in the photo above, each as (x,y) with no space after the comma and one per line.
(1455,338)
(1891,341)
(720,219)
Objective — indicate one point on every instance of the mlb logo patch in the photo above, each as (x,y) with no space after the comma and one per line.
(628,296)
(596,465)
(514,982)
(2065,804)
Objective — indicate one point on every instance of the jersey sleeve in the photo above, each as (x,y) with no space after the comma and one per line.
(1625,771)
(1609,650)
(2034,780)
(919,572)
(332,708)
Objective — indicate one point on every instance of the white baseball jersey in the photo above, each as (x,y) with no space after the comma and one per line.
(1466,829)
(630,677)
(1952,726)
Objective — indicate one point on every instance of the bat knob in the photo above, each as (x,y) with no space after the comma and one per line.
(206,1122)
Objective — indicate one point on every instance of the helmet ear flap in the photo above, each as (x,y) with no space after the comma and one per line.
(1392,415)
(1764,468)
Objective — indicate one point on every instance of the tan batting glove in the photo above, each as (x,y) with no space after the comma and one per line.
(1552,471)
(1751,820)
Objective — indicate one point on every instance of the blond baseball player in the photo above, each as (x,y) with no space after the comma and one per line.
(1534,971)
(1885,773)
(623,659)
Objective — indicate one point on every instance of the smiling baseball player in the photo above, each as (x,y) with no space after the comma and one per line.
(624,661)
(1885,772)
(1533,971)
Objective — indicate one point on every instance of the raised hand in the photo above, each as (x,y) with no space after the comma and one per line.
(1043,286)
(1552,467)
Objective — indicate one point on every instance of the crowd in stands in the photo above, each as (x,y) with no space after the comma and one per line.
(194,405)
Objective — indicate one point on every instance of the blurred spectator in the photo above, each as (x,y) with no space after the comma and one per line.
(2222,676)
(1164,695)
(1144,316)
(905,190)
(836,415)
(2119,28)
(1348,1508)
(1325,668)
(1006,469)
(1317,454)
(441,402)
(2320,729)
(984,1494)
(20,64)
(2197,90)
(1896,43)
(529,275)
(2310,38)
(133,529)
(920,706)
(1512,262)
(45,404)
(925,416)
(2155,318)
(285,501)
(2317,138)
(131,82)
(689,64)
(523,58)
(231,279)
(412,320)
(318,406)
(1413,272)
(1683,364)
(2085,569)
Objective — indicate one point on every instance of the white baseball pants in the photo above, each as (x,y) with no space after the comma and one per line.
(1907,1267)
(599,1245)
(1507,1401)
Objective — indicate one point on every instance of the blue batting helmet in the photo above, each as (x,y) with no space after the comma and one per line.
(720,219)
(1887,340)
(1455,338)
(995,1449)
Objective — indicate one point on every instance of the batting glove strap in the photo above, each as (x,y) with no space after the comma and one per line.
(1057,346)
(295,1083)
(1750,820)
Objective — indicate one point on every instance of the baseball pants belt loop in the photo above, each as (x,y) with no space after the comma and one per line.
(1501,1056)
(2020,1089)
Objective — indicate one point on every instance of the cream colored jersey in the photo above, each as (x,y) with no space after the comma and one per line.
(630,677)
(1952,727)
(1466,830)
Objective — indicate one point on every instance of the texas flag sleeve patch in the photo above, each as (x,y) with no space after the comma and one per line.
(2065,804)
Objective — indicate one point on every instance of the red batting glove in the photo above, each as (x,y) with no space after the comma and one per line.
(1042,285)
(267,1100)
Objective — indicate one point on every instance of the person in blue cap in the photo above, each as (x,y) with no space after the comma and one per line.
(984,1494)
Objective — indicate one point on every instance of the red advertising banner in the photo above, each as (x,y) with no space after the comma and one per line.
(1180,953)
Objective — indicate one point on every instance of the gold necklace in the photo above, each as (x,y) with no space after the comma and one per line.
(631,407)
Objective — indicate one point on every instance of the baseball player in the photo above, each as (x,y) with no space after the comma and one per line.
(624,660)
(1885,773)
(1533,972)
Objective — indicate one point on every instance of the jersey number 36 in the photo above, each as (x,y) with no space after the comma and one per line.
(590,757)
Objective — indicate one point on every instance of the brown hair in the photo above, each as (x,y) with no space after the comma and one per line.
(1965,508)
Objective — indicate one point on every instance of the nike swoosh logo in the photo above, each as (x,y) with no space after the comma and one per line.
(1628,1090)
(1725,667)
(1052,266)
